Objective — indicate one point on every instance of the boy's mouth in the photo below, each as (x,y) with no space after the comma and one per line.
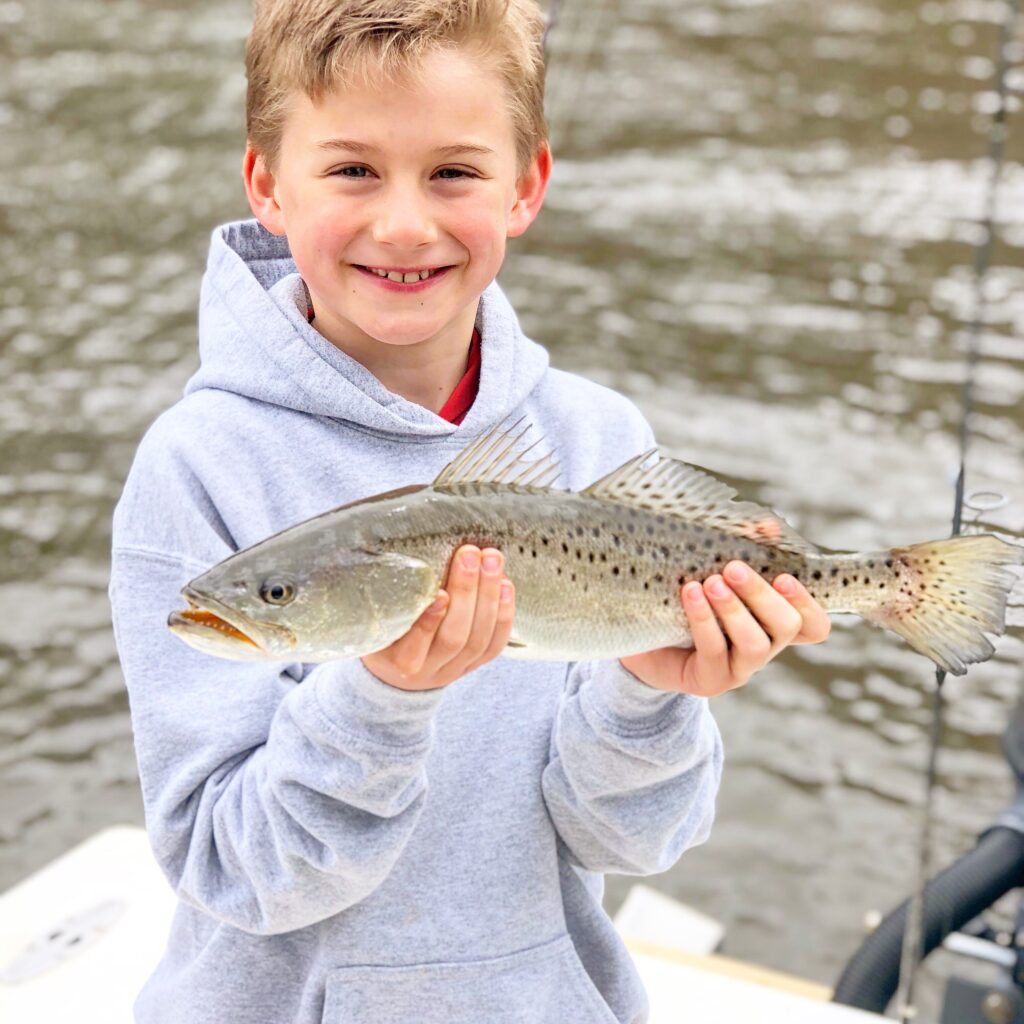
(405,278)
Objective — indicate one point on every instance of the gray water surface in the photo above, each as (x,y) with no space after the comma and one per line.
(761,228)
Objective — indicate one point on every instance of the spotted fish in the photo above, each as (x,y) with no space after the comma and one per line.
(597,572)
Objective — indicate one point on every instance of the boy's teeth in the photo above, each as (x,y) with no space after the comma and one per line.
(394,275)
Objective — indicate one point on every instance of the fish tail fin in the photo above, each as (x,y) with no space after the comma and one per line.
(950,594)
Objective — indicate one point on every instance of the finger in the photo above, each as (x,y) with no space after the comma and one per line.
(408,653)
(815,624)
(502,625)
(485,616)
(779,619)
(708,639)
(751,645)
(462,584)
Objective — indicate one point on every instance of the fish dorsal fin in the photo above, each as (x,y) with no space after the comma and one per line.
(675,488)
(491,459)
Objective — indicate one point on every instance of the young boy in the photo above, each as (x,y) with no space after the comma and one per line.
(417,835)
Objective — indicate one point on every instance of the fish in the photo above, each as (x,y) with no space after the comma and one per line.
(597,572)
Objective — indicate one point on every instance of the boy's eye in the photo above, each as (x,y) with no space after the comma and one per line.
(453,173)
(352,172)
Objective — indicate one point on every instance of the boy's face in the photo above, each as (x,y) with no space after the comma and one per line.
(404,179)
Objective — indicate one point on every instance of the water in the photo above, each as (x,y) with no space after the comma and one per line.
(761,228)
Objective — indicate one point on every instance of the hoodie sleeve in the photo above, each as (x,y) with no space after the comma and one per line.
(276,795)
(633,771)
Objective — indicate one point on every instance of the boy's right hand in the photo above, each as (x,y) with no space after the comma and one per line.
(468,625)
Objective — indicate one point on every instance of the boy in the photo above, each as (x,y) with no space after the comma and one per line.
(417,835)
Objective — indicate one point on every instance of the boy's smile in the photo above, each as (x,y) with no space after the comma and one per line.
(397,199)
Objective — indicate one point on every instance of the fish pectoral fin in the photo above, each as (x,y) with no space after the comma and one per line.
(676,488)
(492,459)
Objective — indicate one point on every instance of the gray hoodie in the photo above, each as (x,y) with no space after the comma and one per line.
(344,851)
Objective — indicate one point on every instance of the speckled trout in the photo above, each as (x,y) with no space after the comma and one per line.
(597,572)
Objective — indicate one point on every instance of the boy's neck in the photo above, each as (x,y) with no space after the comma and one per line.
(425,373)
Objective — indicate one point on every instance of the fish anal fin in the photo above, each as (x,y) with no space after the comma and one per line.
(675,488)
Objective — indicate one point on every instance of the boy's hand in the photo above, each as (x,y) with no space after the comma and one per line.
(759,621)
(468,625)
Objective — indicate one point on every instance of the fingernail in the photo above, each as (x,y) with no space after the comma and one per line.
(737,573)
(786,585)
(506,593)
(693,592)
(492,563)
(471,560)
(437,605)
(718,588)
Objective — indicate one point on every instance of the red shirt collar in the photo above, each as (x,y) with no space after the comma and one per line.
(462,398)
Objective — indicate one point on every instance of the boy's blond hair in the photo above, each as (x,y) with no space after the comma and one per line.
(314,46)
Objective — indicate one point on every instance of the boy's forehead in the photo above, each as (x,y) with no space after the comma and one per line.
(449,100)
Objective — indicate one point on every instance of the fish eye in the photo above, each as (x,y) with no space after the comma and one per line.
(278,592)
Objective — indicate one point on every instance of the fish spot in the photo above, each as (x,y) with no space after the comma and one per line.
(650,530)
(632,570)
(647,585)
(615,570)
(533,552)
(573,577)
(834,573)
(658,578)
(817,574)
(691,547)
(565,548)
(579,531)
(544,541)
(766,568)
(846,582)
(693,570)
(709,543)
(665,602)
(596,531)
(590,555)
(579,554)
(631,527)
(604,557)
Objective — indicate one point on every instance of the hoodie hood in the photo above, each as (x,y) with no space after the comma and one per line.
(254,341)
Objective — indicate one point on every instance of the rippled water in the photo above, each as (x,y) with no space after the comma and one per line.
(761,228)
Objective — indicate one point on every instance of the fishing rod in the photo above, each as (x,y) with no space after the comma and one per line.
(913,937)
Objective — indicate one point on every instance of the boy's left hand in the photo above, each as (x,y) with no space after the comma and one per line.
(759,620)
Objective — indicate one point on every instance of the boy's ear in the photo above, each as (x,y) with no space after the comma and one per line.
(260,191)
(530,189)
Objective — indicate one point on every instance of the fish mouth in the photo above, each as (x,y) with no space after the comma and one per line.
(207,615)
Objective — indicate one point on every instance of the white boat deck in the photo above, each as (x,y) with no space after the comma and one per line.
(81,935)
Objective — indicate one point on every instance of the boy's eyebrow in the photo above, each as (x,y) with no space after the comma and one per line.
(363,147)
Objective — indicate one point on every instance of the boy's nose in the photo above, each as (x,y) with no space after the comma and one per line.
(403,219)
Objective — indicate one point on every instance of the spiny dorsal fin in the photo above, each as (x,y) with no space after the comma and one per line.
(490,459)
(678,489)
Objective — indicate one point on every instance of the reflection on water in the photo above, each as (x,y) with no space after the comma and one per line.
(760,228)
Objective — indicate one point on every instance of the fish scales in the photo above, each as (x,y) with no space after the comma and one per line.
(597,572)
(603,575)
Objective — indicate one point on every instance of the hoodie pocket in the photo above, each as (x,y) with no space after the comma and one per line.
(542,985)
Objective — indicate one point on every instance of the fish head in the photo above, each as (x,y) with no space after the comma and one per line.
(302,602)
